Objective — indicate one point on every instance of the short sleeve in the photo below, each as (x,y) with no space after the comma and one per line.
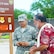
(45,36)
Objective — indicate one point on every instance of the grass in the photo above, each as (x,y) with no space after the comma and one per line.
(5,37)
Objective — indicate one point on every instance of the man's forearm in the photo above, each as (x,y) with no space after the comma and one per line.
(41,48)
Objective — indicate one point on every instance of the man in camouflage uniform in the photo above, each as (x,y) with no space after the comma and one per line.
(24,35)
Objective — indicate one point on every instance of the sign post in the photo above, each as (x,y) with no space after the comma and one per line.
(11,45)
(7,19)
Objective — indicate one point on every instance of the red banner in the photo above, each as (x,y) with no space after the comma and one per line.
(6,16)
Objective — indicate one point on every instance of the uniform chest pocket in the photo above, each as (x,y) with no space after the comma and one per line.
(29,37)
(29,33)
(18,37)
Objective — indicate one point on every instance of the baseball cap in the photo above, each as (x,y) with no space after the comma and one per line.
(22,17)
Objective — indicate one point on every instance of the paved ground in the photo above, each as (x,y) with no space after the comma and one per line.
(4,47)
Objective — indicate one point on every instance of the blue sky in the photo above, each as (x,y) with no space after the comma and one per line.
(23,4)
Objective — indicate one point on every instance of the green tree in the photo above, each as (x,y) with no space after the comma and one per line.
(47,6)
(18,12)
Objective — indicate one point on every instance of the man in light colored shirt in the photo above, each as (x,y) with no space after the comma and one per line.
(24,35)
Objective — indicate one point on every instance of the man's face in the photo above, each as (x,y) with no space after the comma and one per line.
(23,23)
(37,23)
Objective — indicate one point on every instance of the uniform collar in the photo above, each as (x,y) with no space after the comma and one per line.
(27,28)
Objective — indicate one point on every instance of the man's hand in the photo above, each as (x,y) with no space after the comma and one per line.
(23,43)
(40,48)
(18,44)
(33,50)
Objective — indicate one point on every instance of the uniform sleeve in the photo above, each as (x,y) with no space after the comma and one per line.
(34,37)
(15,38)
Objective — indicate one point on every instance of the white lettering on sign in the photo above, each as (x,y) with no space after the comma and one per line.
(2,3)
(4,9)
